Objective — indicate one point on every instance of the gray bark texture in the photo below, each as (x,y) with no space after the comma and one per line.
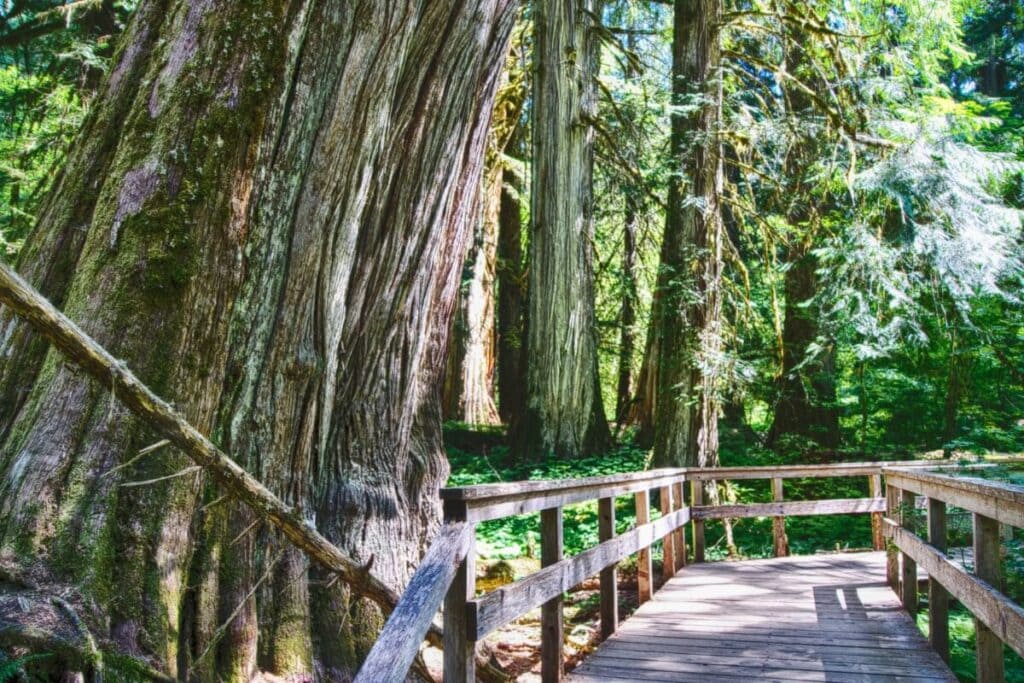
(564,414)
(265,217)
(687,313)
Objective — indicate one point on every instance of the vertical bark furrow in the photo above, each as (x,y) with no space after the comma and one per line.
(687,313)
(564,413)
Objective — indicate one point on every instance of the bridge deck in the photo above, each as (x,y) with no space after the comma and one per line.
(821,618)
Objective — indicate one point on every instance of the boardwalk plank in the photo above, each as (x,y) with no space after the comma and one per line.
(823,618)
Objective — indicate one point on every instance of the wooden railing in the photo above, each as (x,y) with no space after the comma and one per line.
(998,619)
(447,572)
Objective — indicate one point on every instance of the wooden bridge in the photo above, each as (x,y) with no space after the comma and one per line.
(840,617)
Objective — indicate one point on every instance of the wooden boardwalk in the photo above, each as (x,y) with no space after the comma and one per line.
(820,618)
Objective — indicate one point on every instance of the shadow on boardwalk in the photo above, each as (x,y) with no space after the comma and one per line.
(820,618)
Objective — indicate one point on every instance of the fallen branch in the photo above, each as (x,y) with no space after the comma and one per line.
(85,352)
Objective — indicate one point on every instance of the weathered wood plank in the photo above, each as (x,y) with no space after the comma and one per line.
(551,612)
(842,506)
(780,544)
(459,650)
(696,501)
(494,501)
(908,579)
(609,580)
(498,607)
(988,646)
(680,542)
(875,491)
(853,469)
(996,611)
(644,570)
(892,562)
(668,550)
(938,598)
(398,644)
(996,500)
(821,618)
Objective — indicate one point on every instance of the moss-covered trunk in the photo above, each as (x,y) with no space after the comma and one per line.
(264,216)
(687,312)
(564,413)
(511,313)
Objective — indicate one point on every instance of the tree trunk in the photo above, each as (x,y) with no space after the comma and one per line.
(627,313)
(564,414)
(511,322)
(470,387)
(645,397)
(806,406)
(264,216)
(627,317)
(689,281)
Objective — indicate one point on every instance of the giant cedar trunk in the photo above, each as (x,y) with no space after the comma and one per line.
(564,413)
(689,304)
(264,216)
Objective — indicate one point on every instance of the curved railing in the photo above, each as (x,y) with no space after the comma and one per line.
(447,572)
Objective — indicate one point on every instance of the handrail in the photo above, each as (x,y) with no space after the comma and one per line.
(450,561)
(830,471)
(998,619)
(494,501)
(399,643)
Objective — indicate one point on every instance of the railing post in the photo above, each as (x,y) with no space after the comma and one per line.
(697,498)
(938,598)
(551,611)
(680,543)
(668,546)
(986,567)
(909,566)
(609,589)
(875,489)
(892,562)
(643,557)
(459,650)
(779,541)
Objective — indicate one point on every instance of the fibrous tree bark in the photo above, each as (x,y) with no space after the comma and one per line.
(564,414)
(265,217)
(627,315)
(627,312)
(687,313)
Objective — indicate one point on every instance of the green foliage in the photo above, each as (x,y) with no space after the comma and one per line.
(11,669)
(53,56)
(519,536)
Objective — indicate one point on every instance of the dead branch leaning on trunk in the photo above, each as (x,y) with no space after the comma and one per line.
(85,352)
(108,371)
